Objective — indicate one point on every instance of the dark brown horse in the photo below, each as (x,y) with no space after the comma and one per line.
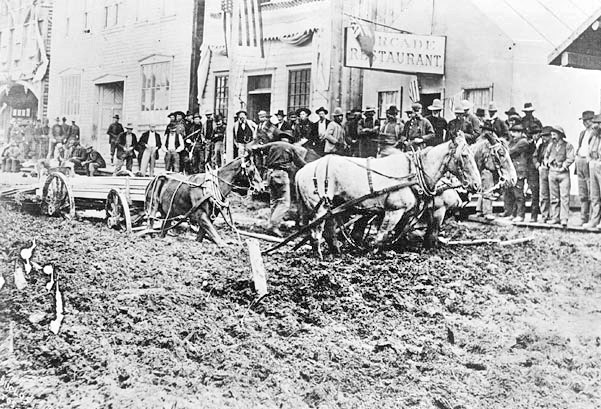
(199,198)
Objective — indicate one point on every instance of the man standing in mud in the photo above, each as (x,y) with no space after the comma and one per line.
(280,156)
(115,129)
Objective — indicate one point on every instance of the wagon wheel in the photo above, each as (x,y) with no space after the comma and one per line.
(360,230)
(118,215)
(57,197)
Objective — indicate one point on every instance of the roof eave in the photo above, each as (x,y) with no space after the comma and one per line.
(555,56)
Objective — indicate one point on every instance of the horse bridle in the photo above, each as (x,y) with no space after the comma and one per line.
(456,154)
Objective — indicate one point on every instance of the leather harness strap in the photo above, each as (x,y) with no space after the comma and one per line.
(370,181)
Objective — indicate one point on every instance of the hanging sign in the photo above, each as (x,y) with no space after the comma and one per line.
(397,52)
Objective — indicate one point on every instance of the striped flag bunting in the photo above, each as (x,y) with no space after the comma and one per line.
(247,25)
(414,90)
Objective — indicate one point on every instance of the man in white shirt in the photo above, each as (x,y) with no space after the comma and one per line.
(582,166)
(150,143)
(174,144)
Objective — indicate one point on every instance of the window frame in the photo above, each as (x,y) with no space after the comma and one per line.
(155,89)
(293,100)
(221,93)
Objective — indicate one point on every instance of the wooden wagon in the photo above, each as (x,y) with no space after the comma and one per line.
(122,198)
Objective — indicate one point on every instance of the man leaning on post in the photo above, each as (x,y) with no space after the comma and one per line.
(594,156)
(582,162)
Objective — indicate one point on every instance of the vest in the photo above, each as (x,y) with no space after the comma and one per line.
(167,140)
(243,135)
(557,153)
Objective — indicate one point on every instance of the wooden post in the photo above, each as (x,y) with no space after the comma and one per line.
(256,264)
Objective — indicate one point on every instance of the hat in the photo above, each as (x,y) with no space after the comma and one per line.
(262,113)
(218,117)
(393,110)
(89,148)
(321,109)
(197,115)
(512,112)
(208,112)
(176,113)
(114,116)
(528,107)
(480,112)
(596,118)
(586,115)
(547,129)
(459,109)
(517,127)
(64,118)
(436,105)
(171,114)
(58,119)
(242,111)
(188,113)
(280,113)
(466,104)
(338,112)
(356,109)
(492,106)
(129,126)
(559,130)
(416,106)
(370,108)
(305,110)
(73,121)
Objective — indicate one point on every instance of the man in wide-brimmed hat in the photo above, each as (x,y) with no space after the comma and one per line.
(280,159)
(292,120)
(582,164)
(418,130)
(303,127)
(282,124)
(368,129)
(350,131)
(500,127)
(460,124)
(439,124)
(390,136)
(334,141)
(529,120)
(559,156)
(519,150)
(513,117)
(467,105)
(317,140)
(115,129)
(126,145)
(594,161)
(244,131)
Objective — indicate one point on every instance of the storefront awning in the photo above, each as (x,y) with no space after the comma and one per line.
(583,48)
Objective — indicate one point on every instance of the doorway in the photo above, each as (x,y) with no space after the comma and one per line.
(110,103)
(426,100)
(259,95)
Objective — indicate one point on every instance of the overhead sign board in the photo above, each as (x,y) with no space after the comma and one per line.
(397,52)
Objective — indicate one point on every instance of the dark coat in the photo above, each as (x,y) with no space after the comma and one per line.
(520,152)
(121,152)
(144,140)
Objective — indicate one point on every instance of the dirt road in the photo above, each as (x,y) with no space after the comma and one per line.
(154,323)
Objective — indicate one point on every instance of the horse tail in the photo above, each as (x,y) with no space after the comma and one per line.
(153,194)
(303,208)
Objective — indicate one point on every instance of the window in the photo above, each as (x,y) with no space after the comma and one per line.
(156,80)
(221,94)
(480,97)
(70,87)
(386,99)
(299,88)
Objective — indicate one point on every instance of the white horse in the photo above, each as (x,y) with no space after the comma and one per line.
(340,179)
(491,154)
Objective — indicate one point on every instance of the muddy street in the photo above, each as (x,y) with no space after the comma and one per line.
(171,323)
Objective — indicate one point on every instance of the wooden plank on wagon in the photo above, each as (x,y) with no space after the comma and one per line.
(257,266)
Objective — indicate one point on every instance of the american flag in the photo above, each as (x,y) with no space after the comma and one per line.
(414,90)
(227,7)
(247,25)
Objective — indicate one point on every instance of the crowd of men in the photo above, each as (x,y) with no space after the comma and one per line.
(541,155)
